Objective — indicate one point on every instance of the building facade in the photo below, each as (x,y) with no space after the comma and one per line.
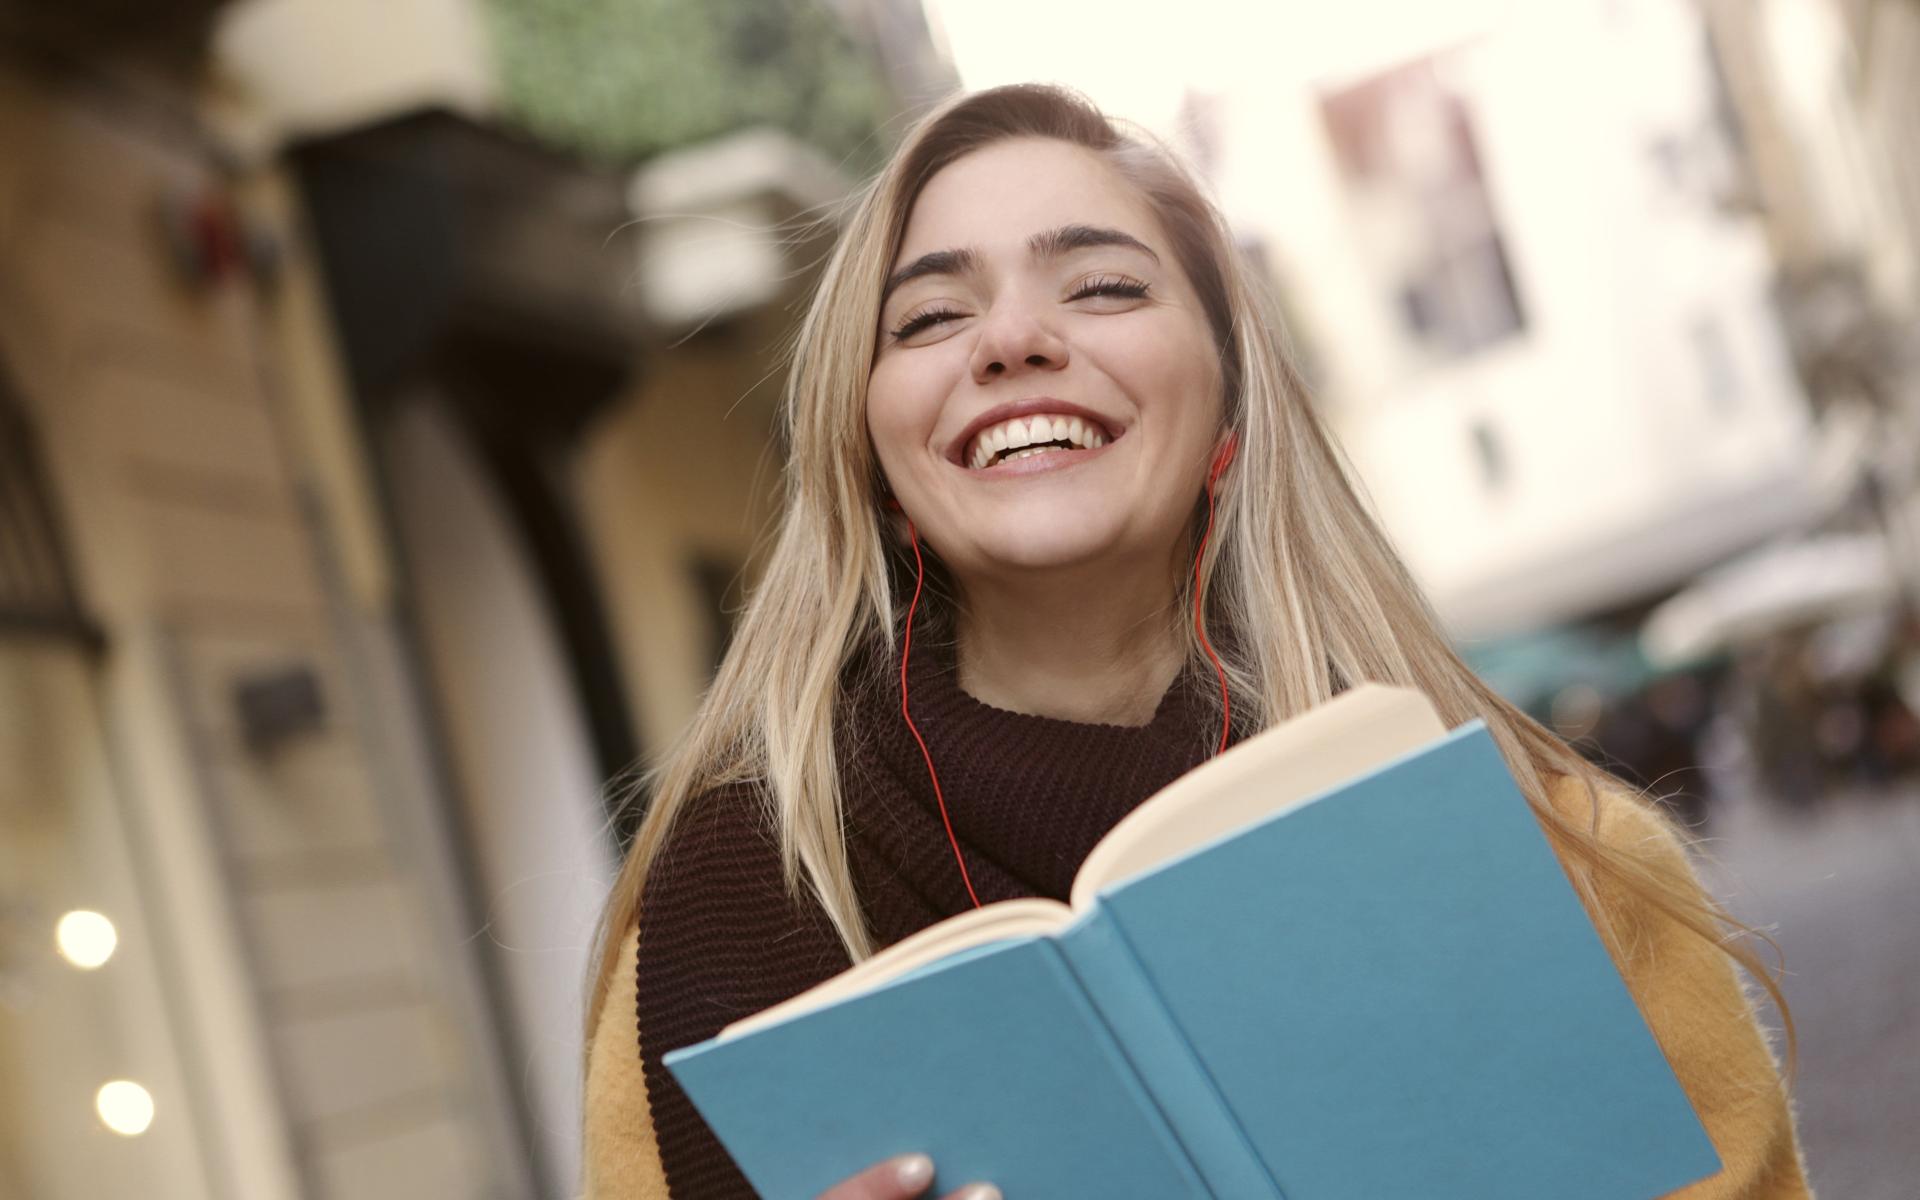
(1542,318)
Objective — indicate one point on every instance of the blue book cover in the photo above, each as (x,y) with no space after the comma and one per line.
(1389,990)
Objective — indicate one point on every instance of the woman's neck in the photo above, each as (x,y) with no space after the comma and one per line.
(1097,655)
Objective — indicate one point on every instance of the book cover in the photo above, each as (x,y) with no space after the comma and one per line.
(1388,990)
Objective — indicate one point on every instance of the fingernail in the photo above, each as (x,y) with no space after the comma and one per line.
(916,1171)
(981,1191)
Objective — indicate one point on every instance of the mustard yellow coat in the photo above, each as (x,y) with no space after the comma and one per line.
(1690,992)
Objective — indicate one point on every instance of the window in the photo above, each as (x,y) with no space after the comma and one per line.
(1405,147)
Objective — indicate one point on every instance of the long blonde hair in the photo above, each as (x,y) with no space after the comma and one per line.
(1297,569)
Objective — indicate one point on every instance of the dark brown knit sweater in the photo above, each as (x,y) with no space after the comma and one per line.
(1029,797)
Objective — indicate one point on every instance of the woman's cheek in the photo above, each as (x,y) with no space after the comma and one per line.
(1155,353)
(904,400)
(897,421)
(1171,371)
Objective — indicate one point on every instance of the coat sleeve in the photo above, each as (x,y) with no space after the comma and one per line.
(621,1157)
(1697,1007)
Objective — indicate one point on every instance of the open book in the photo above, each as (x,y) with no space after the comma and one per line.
(1338,962)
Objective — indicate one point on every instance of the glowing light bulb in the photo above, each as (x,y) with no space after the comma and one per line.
(124,1107)
(86,939)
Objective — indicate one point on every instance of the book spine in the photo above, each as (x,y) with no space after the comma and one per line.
(1097,952)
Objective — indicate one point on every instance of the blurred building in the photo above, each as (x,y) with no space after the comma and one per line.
(1823,97)
(379,450)
(1814,118)
(1884,38)
(1542,318)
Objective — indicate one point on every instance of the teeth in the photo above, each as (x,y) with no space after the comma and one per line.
(1018,435)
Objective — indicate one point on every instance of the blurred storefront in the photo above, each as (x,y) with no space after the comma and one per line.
(230,765)
(90,1037)
(374,477)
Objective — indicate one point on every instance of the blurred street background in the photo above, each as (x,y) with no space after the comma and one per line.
(387,395)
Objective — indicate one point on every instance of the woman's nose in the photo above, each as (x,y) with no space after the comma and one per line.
(1013,340)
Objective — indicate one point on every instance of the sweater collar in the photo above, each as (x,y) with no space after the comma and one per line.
(1028,795)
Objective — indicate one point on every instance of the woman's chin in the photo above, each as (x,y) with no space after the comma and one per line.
(1040,550)
(1042,529)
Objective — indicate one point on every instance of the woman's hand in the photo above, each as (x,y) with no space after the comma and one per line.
(903,1178)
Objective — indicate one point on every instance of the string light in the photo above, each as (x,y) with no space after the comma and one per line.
(86,939)
(124,1107)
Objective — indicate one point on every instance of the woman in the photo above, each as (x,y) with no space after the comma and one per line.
(1053,474)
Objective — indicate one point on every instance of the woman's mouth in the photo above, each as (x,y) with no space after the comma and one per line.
(1042,435)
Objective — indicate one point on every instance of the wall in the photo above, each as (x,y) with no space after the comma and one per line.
(66,844)
(685,467)
(528,782)
(307,67)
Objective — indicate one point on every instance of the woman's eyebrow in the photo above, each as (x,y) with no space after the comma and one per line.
(1050,244)
(940,262)
(1068,238)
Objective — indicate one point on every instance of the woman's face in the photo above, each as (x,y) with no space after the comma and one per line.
(1036,302)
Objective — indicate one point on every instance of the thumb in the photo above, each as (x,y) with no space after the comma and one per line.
(901,1178)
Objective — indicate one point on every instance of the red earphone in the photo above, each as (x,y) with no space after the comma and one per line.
(1224,459)
(1221,461)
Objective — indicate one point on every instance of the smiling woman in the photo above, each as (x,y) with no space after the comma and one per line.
(1039,291)
(1045,433)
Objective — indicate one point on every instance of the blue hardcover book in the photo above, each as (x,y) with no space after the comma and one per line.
(1338,962)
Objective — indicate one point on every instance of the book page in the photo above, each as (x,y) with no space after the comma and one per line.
(994,923)
(1360,729)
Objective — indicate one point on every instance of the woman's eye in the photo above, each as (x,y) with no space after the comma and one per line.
(1099,285)
(925,320)
(1110,285)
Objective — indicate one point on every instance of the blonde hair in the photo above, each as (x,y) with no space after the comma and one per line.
(1297,570)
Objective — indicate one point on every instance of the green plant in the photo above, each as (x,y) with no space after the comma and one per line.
(619,80)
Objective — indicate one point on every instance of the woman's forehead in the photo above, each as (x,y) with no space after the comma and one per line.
(995,199)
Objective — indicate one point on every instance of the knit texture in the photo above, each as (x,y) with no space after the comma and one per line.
(1029,796)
